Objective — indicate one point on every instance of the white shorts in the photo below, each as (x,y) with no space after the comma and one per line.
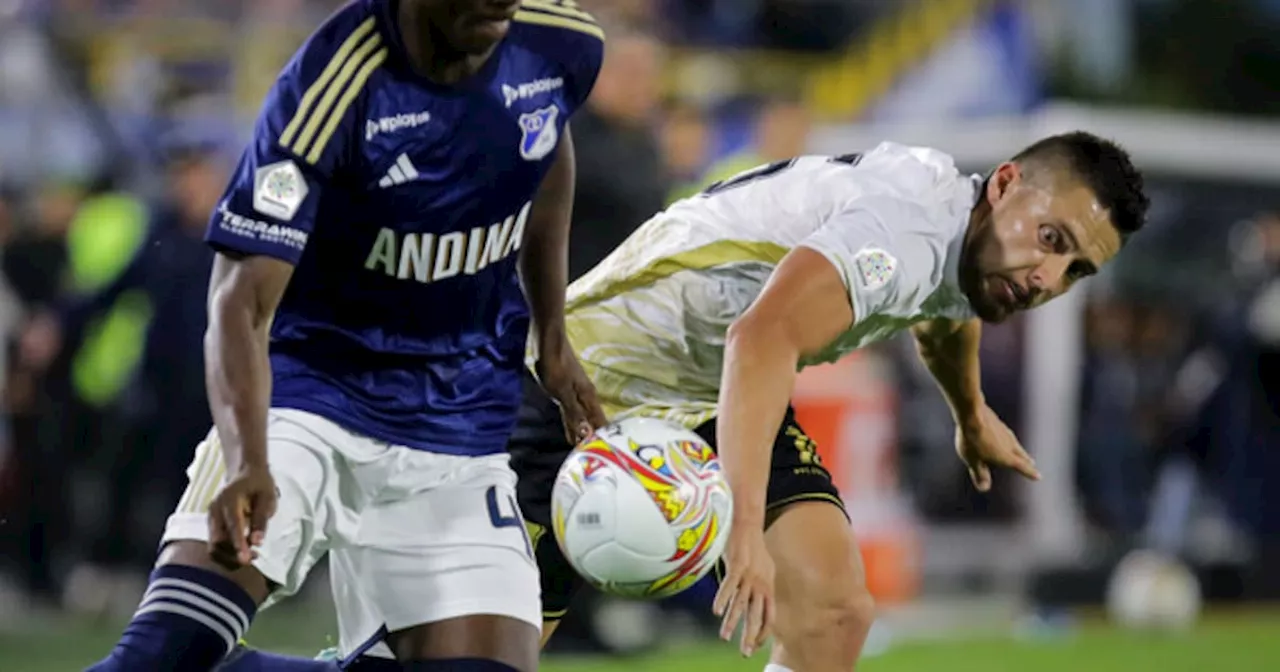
(413,537)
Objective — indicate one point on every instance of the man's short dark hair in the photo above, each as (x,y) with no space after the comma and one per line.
(1104,167)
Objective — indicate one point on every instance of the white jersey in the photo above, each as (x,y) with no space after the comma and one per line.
(649,321)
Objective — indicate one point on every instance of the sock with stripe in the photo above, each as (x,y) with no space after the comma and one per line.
(774,667)
(188,621)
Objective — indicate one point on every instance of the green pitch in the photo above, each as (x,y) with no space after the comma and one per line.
(1242,642)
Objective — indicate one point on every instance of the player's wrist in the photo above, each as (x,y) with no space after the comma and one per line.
(748,514)
(551,342)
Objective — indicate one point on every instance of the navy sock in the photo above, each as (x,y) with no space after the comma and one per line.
(188,621)
(457,665)
(252,660)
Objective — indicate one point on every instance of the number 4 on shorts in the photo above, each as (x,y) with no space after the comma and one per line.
(500,520)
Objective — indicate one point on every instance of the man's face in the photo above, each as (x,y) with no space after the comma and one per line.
(471,27)
(1040,237)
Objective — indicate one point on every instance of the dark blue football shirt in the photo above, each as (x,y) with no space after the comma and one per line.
(402,204)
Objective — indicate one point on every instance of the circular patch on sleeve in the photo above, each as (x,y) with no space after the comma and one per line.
(875,267)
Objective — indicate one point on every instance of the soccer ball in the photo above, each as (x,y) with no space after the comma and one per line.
(641,509)
(1149,591)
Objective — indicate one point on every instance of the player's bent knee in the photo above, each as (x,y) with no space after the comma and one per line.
(829,632)
(824,607)
(187,553)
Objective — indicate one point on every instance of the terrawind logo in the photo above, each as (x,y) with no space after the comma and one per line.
(396,123)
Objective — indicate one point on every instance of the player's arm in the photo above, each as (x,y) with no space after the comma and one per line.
(803,307)
(544,272)
(949,349)
(260,231)
(244,292)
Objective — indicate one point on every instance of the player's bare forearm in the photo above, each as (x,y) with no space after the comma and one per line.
(803,307)
(950,351)
(243,295)
(544,255)
(755,387)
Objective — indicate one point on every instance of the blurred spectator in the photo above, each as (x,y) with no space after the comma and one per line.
(621,177)
(35,264)
(1111,458)
(166,405)
(686,138)
(781,132)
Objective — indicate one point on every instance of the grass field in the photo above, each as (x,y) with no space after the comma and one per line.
(1240,642)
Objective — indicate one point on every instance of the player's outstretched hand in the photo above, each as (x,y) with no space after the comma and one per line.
(564,380)
(238,517)
(747,590)
(987,442)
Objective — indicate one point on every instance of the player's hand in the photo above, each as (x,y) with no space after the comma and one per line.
(238,517)
(747,590)
(564,380)
(984,441)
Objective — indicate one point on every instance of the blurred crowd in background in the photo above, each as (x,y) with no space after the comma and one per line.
(119,120)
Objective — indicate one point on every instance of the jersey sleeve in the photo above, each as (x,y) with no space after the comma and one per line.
(300,142)
(885,271)
(584,67)
(570,36)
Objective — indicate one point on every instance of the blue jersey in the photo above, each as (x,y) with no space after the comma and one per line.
(402,205)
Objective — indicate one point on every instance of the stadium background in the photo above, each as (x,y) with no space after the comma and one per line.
(1149,399)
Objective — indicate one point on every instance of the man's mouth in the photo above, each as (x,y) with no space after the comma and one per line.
(1013,295)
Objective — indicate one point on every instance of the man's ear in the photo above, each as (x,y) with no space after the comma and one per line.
(1002,181)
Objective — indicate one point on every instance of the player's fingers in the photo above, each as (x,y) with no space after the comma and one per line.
(724,595)
(217,531)
(1026,468)
(593,412)
(237,528)
(980,474)
(754,626)
(258,516)
(737,609)
(575,424)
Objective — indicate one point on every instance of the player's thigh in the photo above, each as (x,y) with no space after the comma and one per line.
(796,473)
(300,453)
(446,571)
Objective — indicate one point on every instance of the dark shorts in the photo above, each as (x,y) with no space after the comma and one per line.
(538,447)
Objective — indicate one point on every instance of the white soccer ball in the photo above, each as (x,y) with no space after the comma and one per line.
(641,509)
(1151,591)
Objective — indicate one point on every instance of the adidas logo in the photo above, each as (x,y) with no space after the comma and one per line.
(403,171)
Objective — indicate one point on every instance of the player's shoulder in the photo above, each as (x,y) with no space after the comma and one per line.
(564,34)
(914,167)
(307,110)
(352,36)
(557,28)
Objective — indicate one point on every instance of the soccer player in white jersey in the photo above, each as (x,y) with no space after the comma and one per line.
(705,314)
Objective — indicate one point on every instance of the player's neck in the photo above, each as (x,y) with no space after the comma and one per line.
(978,218)
(427,55)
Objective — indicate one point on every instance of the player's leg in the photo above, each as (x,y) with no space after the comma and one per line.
(195,611)
(441,575)
(538,448)
(823,608)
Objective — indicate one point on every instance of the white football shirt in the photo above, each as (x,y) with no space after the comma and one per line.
(649,321)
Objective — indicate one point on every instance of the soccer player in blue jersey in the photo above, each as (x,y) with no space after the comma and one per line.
(407,186)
